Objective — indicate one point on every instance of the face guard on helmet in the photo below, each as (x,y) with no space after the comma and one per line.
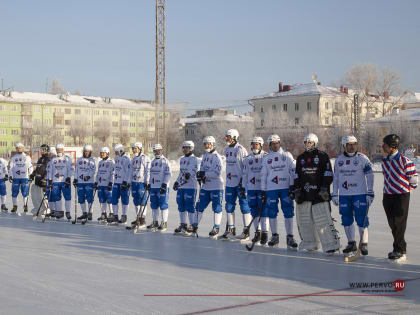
(310,142)
(209,143)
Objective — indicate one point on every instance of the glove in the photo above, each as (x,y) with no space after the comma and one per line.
(75,182)
(242,192)
(109,187)
(187,176)
(31,177)
(11,179)
(6,177)
(67,182)
(201,175)
(324,194)
(263,196)
(163,189)
(147,186)
(298,195)
(124,185)
(369,198)
(43,183)
(49,184)
(86,178)
(335,200)
(292,195)
(95,185)
(176,186)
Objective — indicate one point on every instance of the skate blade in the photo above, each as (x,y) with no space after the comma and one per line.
(292,248)
(215,237)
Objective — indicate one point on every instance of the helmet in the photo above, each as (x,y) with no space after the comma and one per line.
(87,147)
(189,144)
(105,150)
(59,146)
(347,139)
(138,145)
(119,148)
(233,133)
(45,147)
(273,138)
(311,137)
(258,140)
(392,140)
(19,145)
(157,146)
(209,139)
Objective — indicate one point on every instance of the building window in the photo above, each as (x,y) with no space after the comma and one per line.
(273,106)
(77,111)
(336,106)
(96,112)
(87,111)
(3,107)
(15,108)
(140,114)
(4,119)
(15,132)
(124,123)
(106,113)
(3,143)
(3,132)
(262,122)
(296,106)
(285,107)
(262,109)
(326,105)
(114,113)
(132,124)
(15,120)
(346,106)
(296,121)
(132,114)
(96,123)
(327,121)
(115,124)
(140,124)
(308,106)
(67,111)
(67,122)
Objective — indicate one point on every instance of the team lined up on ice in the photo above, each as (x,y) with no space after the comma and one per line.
(259,181)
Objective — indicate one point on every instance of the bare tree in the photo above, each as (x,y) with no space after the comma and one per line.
(124,137)
(102,130)
(369,139)
(56,88)
(79,131)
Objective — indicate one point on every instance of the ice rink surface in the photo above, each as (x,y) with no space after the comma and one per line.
(59,268)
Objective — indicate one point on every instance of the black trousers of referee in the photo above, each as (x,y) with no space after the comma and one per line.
(396,209)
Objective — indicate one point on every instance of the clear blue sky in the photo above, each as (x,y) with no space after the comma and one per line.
(218,51)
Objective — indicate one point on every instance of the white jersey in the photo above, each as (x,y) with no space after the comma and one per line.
(278,171)
(353,175)
(122,169)
(3,168)
(160,172)
(20,166)
(105,173)
(251,174)
(59,168)
(140,169)
(234,164)
(188,165)
(211,163)
(85,170)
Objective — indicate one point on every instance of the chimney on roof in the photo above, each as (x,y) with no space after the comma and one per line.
(280,86)
(386,95)
(286,88)
(346,90)
(319,83)
(341,89)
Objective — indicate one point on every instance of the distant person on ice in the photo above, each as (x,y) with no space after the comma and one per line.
(4,177)
(353,192)
(20,169)
(312,194)
(400,177)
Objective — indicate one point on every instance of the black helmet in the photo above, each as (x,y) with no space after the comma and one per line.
(392,140)
(45,147)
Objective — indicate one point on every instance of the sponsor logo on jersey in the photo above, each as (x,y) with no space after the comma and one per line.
(316,160)
(340,163)
(283,158)
(276,159)
(355,162)
(275,180)
(302,161)
(229,175)
(269,161)
(308,187)
(256,160)
(347,162)
(250,162)
(252,181)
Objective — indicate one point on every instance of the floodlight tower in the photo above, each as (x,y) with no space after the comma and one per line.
(160,88)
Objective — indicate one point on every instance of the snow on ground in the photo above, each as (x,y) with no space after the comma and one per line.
(60,268)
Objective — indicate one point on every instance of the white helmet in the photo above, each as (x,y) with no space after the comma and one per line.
(59,146)
(119,148)
(138,145)
(209,139)
(233,133)
(157,146)
(273,138)
(257,140)
(310,137)
(87,147)
(19,145)
(105,150)
(189,144)
(347,139)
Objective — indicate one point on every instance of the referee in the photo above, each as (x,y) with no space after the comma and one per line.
(400,177)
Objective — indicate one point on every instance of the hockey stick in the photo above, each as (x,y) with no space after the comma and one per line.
(25,207)
(137,226)
(90,207)
(196,211)
(359,249)
(140,213)
(250,248)
(39,208)
(75,207)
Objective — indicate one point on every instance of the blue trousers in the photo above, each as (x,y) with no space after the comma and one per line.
(157,200)
(58,189)
(117,192)
(138,191)
(353,207)
(85,192)
(287,205)
(215,196)
(22,184)
(104,195)
(185,198)
(232,193)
